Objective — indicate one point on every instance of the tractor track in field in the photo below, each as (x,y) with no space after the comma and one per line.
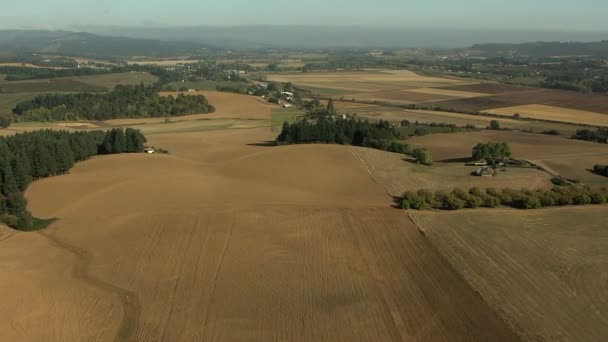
(128,299)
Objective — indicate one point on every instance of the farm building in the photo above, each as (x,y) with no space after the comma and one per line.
(287,105)
(149,150)
(485,172)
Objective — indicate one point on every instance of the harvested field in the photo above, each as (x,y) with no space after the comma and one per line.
(567,157)
(542,112)
(227,241)
(489,88)
(163,62)
(543,270)
(398,96)
(446,92)
(112,80)
(397,175)
(556,98)
(45,296)
(227,106)
(362,81)
(46,86)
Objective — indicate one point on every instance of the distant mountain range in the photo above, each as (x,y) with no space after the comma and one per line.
(544,49)
(266,36)
(159,42)
(89,45)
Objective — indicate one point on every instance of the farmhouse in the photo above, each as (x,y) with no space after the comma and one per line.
(149,150)
(287,105)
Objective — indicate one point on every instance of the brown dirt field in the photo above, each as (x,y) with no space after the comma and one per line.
(362,81)
(543,270)
(570,158)
(446,92)
(46,298)
(227,106)
(225,241)
(397,175)
(488,88)
(556,98)
(395,114)
(163,62)
(398,96)
(542,112)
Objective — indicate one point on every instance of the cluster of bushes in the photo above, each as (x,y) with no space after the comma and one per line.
(600,135)
(601,170)
(350,131)
(421,129)
(123,102)
(29,156)
(491,198)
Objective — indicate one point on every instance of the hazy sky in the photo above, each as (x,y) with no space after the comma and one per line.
(499,14)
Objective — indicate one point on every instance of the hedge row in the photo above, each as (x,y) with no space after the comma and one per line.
(491,198)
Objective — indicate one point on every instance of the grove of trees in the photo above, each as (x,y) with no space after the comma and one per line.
(492,152)
(423,156)
(350,131)
(600,135)
(601,170)
(123,102)
(29,156)
(491,198)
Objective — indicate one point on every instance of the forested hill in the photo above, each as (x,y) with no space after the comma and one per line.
(29,156)
(123,102)
(544,49)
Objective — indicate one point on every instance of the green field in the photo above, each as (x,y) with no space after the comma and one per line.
(52,85)
(111,80)
(207,85)
(280,116)
(325,91)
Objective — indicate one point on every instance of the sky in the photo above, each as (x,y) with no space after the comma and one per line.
(581,15)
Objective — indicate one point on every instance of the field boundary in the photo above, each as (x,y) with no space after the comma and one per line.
(506,319)
(128,299)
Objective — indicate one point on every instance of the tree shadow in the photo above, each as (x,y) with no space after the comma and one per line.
(269,143)
(462,160)
(396,202)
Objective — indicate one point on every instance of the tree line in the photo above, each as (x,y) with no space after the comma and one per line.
(600,135)
(601,170)
(492,198)
(350,131)
(26,157)
(14,73)
(123,102)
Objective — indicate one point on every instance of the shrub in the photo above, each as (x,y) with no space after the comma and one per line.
(459,193)
(551,132)
(559,181)
(412,200)
(492,192)
(451,202)
(494,125)
(547,198)
(423,156)
(475,191)
(525,201)
(427,195)
(10,220)
(490,201)
(598,197)
(581,199)
(473,202)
